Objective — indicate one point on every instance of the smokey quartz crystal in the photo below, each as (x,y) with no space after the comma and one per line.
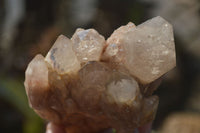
(88,84)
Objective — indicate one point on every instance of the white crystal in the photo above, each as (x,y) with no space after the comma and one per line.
(61,56)
(123,90)
(88,44)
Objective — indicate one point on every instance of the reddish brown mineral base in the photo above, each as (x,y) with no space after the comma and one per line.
(88,84)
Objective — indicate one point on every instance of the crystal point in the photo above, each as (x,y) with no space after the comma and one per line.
(62,58)
(147,51)
(88,44)
(37,82)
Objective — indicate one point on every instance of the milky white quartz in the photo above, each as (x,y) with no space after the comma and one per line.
(88,44)
(61,56)
(123,90)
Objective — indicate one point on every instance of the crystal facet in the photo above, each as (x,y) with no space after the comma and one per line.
(123,89)
(61,56)
(88,44)
(147,50)
(37,82)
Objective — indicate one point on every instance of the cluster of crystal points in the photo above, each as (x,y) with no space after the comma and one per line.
(89,84)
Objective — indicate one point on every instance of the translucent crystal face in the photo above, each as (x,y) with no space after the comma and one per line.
(115,50)
(38,67)
(88,45)
(36,81)
(62,58)
(147,50)
(87,84)
(94,74)
(123,90)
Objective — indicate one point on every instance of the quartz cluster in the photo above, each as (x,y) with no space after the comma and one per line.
(88,84)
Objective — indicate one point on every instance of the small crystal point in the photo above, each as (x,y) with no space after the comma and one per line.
(88,45)
(115,49)
(61,56)
(37,83)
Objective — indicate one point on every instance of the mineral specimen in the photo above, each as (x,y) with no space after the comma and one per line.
(88,84)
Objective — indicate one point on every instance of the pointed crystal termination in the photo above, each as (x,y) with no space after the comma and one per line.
(36,82)
(115,50)
(147,51)
(61,56)
(88,45)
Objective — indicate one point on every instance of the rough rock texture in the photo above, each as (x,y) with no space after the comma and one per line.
(89,85)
